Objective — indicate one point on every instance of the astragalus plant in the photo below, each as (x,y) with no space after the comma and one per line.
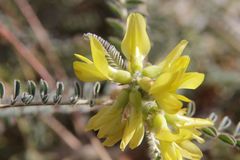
(150,102)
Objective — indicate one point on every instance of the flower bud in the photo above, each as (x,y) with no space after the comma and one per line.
(157,122)
(152,71)
(122,99)
(135,98)
(120,76)
(145,83)
(136,44)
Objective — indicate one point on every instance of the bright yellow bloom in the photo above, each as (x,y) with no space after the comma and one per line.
(175,143)
(121,121)
(136,44)
(134,130)
(181,121)
(98,70)
(179,150)
(153,71)
(124,120)
(173,76)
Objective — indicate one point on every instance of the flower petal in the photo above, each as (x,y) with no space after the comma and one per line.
(168,136)
(84,59)
(183,98)
(181,63)
(87,72)
(169,151)
(162,83)
(98,54)
(110,127)
(136,38)
(104,115)
(169,103)
(111,140)
(137,137)
(191,80)
(134,130)
(189,150)
(128,133)
(173,55)
(194,122)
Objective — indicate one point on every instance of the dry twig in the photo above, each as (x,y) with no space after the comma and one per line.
(26,54)
(42,36)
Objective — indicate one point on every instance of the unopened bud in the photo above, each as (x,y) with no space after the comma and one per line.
(120,76)
(145,83)
(152,71)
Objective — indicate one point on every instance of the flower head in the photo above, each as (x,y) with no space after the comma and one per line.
(98,69)
(158,85)
(136,44)
(121,121)
(172,76)
(174,134)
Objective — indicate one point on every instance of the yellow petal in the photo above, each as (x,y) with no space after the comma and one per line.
(137,137)
(169,103)
(168,136)
(84,59)
(98,54)
(173,55)
(136,39)
(181,63)
(135,118)
(95,122)
(103,116)
(198,123)
(162,83)
(191,80)
(127,134)
(183,98)
(110,127)
(198,138)
(87,72)
(169,151)
(189,150)
(110,141)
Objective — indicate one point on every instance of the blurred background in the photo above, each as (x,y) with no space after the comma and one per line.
(39,37)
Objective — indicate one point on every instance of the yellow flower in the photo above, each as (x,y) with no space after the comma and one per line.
(98,70)
(109,120)
(181,121)
(121,121)
(175,143)
(134,130)
(163,132)
(153,71)
(179,150)
(173,76)
(124,120)
(136,44)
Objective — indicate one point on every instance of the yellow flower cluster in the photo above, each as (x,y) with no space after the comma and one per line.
(128,118)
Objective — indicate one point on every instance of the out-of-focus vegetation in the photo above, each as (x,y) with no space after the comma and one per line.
(49,32)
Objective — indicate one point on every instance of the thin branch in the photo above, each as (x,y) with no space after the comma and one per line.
(36,108)
(98,147)
(40,104)
(26,54)
(71,140)
(42,36)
